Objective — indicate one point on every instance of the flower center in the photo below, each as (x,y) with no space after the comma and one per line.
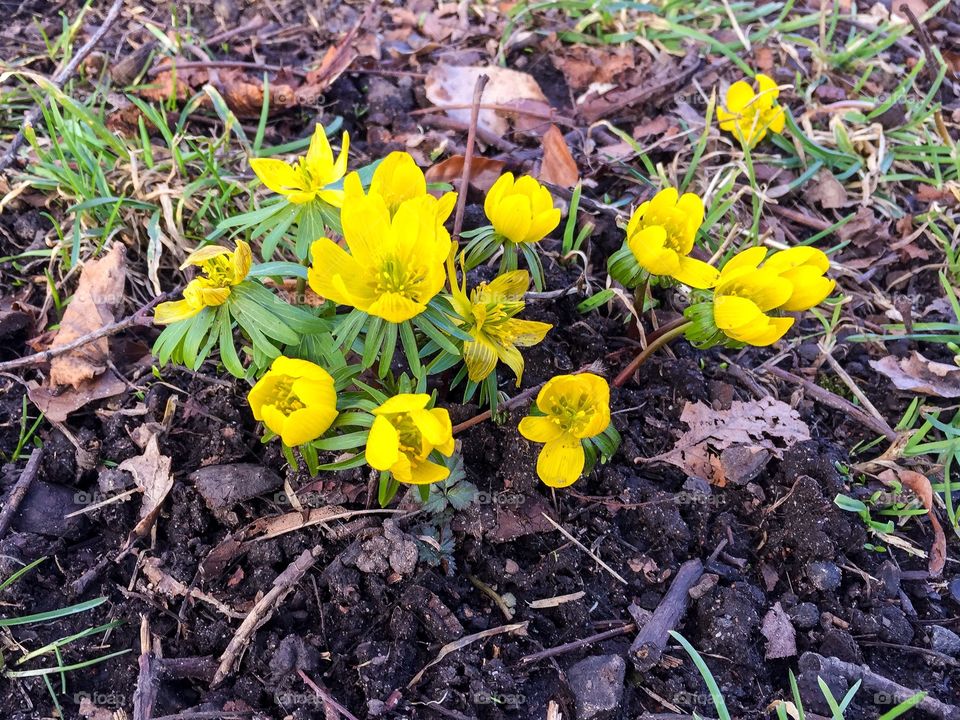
(411,441)
(220,270)
(572,414)
(397,277)
(283,398)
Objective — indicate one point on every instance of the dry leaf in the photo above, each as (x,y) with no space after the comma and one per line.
(452,86)
(826,191)
(151,472)
(780,634)
(764,424)
(920,375)
(99,294)
(558,166)
(920,485)
(483,171)
(56,404)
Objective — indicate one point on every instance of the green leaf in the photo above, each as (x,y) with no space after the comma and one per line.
(202,322)
(596,301)
(434,333)
(410,348)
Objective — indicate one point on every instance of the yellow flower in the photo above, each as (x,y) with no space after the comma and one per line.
(395,265)
(750,113)
(521,211)
(311,177)
(575,407)
(295,399)
(660,235)
(488,315)
(745,293)
(222,270)
(404,433)
(804,266)
(396,179)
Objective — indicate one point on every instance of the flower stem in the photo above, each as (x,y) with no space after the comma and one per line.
(655,342)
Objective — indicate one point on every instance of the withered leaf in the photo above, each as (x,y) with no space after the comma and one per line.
(558,166)
(483,171)
(920,375)
(99,294)
(151,473)
(826,191)
(780,634)
(56,404)
(920,485)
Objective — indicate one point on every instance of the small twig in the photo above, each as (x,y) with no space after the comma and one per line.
(148,684)
(106,331)
(854,388)
(327,698)
(19,491)
(832,400)
(657,340)
(238,64)
(485,136)
(924,39)
(588,551)
(577,644)
(493,595)
(482,80)
(648,646)
(59,79)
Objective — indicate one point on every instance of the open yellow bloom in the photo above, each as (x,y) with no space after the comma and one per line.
(488,315)
(222,270)
(395,265)
(311,177)
(295,399)
(750,113)
(575,407)
(404,433)
(661,233)
(396,179)
(521,211)
(745,293)
(804,266)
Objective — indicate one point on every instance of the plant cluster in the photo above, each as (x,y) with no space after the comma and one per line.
(356,372)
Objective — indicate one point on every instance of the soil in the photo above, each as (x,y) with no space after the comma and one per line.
(365,622)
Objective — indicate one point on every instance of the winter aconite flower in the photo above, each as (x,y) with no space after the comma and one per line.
(804,267)
(574,407)
(313,174)
(396,179)
(489,318)
(745,294)
(404,433)
(521,211)
(750,113)
(661,233)
(295,399)
(395,265)
(222,269)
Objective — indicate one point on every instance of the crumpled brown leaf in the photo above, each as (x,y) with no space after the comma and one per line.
(451,87)
(483,171)
(920,485)
(558,166)
(920,375)
(94,304)
(766,424)
(57,404)
(151,473)
(826,191)
(780,634)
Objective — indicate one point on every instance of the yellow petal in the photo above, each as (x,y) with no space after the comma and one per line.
(511,218)
(648,248)
(661,204)
(297,368)
(810,289)
(330,262)
(526,333)
(501,187)
(319,158)
(306,424)
(448,445)
(765,333)
(749,258)
(739,96)
(366,223)
(731,312)
(509,286)
(561,461)
(480,357)
(175,311)
(383,444)
(797,256)
(432,426)
(277,175)
(242,260)
(262,392)
(274,419)
(696,273)
(340,166)
(352,186)
(203,254)
(539,428)
(426,473)
(542,224)
(397,308)
(511,357)
(769,90)
(404,402)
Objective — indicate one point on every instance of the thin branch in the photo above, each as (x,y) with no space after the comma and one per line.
(482,80)
(20,490)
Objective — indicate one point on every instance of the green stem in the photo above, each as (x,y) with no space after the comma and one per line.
(655,344)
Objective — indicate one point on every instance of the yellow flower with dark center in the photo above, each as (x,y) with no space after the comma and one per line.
(521,211)
(745,294)
(574,407)
(312,175)
(488,316)
(395,265)
(295,399)
(661,234)
(222,269)
(804,267)
(750,113)
(404,433)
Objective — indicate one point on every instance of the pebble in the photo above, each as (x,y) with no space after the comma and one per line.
(804,616)
(894,626)
(823,575)
(944,640)
(597,684)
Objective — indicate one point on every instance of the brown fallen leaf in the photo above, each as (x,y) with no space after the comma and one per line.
(826,191)
(451,87)
(483,171)
(780,634)
(763,424)
(56,403)
(151,473)
(920,485)
(558,166)
(94,304)
(920,375)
